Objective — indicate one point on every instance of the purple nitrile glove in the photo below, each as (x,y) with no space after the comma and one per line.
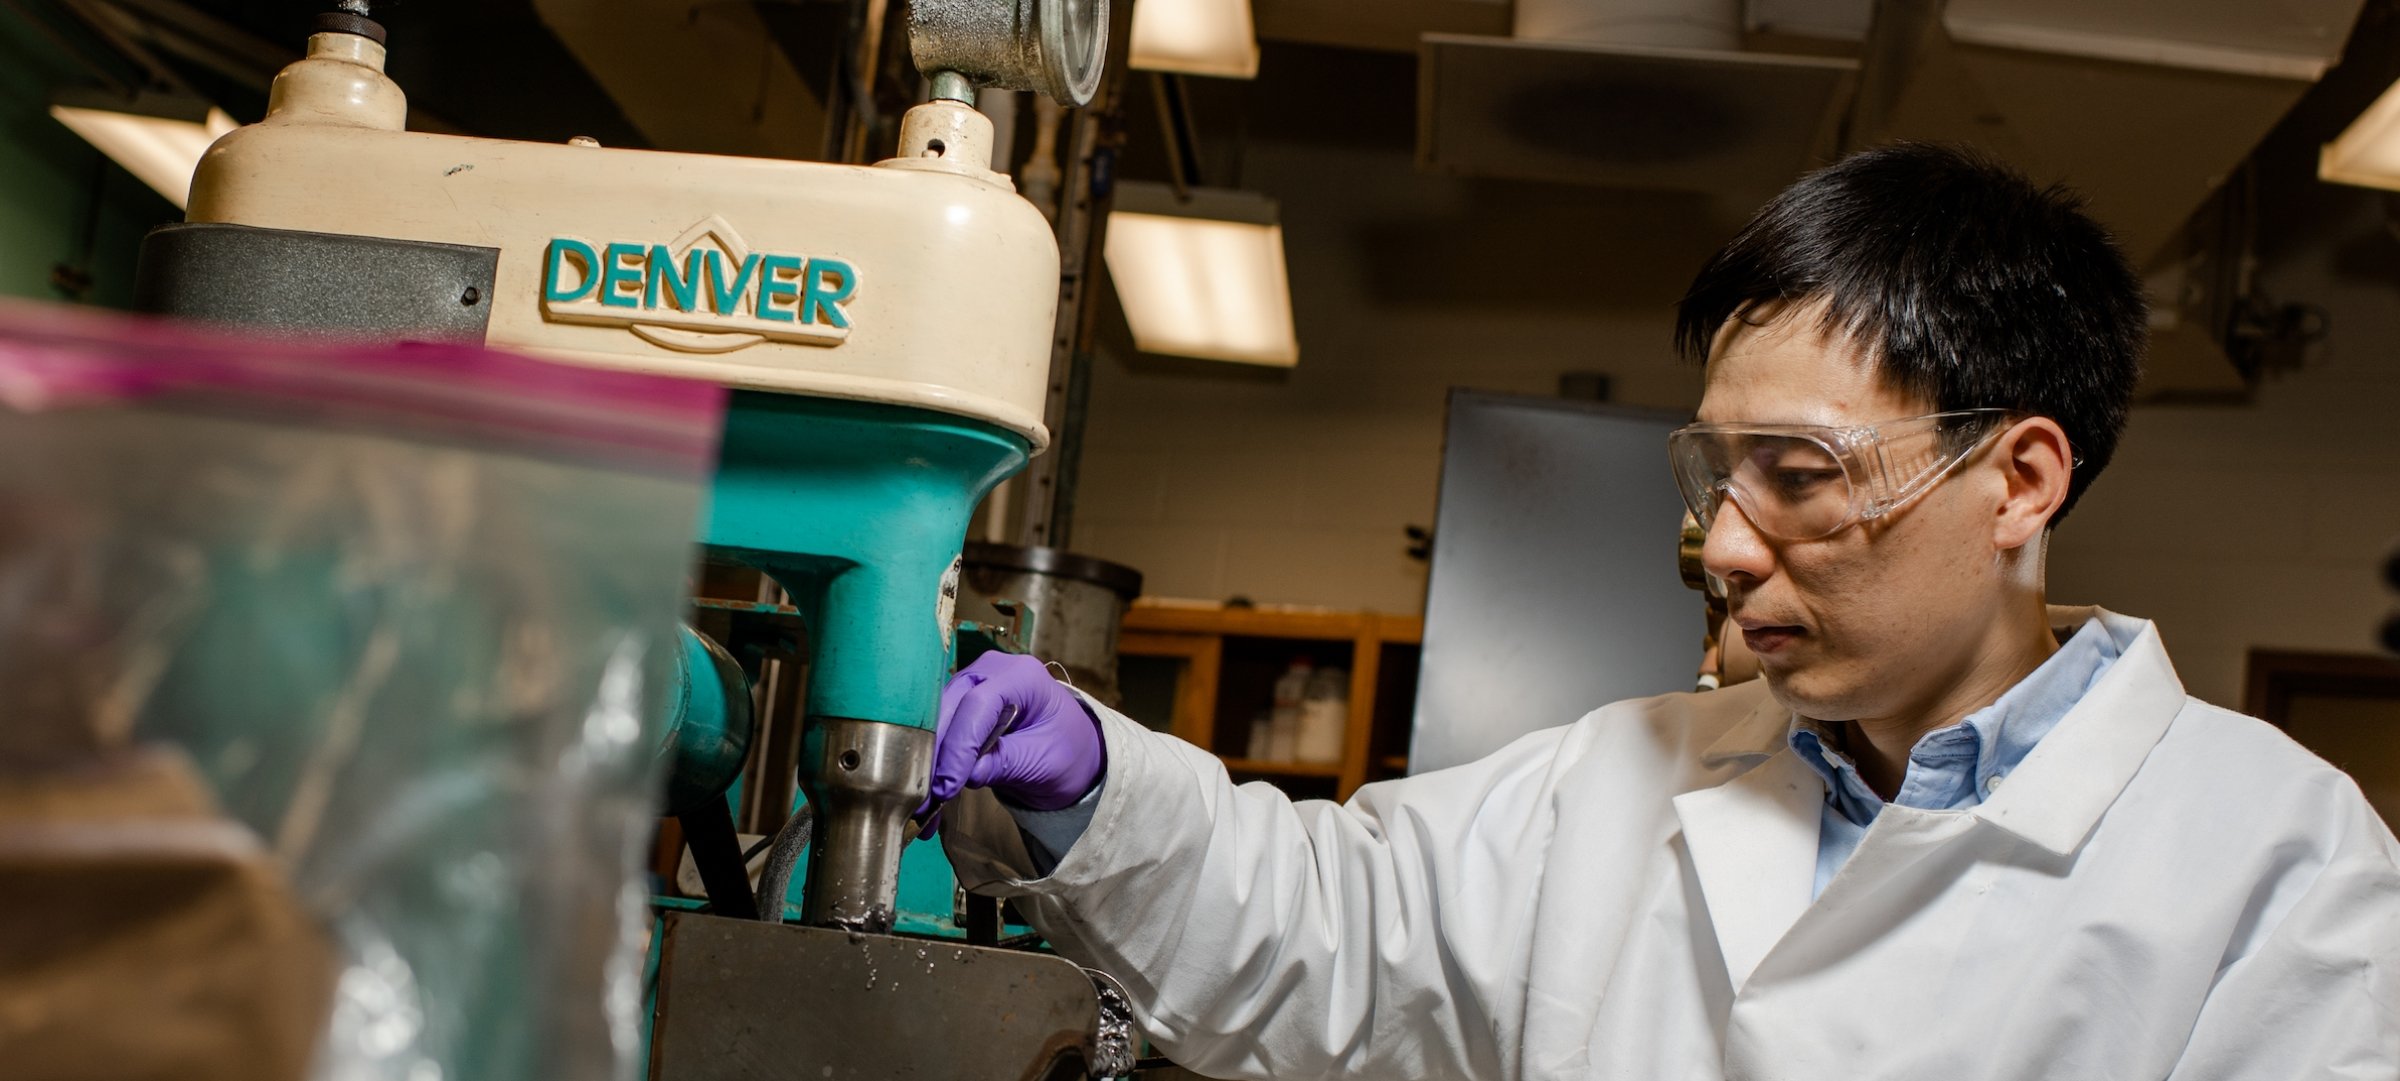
(1049,760)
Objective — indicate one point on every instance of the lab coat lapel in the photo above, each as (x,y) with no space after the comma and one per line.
(2057,795)
(1753,844)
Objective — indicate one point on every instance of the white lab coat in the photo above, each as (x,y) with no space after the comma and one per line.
(2163,889)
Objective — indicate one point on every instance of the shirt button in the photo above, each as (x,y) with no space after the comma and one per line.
(1991,784)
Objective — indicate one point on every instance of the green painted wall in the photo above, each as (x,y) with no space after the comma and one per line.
(52,182)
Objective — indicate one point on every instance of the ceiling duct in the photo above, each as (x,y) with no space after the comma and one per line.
(1666,24)
(1383,25)
(2144,105)
(2147,107)
(1654,94)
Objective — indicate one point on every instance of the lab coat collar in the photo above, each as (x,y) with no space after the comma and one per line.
(1753,839)
(1753,845)
(1760,733)
(2057,795)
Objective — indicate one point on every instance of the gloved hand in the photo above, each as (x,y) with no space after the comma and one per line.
(1051,759)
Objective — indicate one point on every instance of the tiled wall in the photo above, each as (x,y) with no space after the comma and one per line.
(1296,486)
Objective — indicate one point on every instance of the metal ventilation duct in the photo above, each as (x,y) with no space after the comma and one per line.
(2144,105)
(1626,93)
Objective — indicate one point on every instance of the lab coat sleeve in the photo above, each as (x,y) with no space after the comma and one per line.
(2318,994)
(1262,937)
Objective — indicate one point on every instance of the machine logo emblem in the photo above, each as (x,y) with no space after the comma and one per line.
(705,293)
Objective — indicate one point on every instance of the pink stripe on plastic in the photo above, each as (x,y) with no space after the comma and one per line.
(54,357)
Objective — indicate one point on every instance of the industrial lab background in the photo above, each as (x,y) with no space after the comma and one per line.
(2253,513)
(2250,513)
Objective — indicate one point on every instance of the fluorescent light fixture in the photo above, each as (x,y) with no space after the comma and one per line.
(2367,153)
(1194,37)
(1203,275)
(156,137)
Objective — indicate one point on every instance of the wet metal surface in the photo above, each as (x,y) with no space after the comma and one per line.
(864,778)
(747,1001)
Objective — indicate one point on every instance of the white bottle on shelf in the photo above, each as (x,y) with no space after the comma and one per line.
(1324,717)
(1283,737)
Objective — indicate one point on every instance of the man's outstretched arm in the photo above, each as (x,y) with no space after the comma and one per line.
(1262,937)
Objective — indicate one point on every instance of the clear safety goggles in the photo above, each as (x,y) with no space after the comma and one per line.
(1802,481)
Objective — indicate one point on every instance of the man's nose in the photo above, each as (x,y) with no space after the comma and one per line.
(1734,549)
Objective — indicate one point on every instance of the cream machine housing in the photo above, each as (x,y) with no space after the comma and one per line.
(923,280)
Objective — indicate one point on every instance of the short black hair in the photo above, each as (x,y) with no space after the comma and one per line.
(1966,284)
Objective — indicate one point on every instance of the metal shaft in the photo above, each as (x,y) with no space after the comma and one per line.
(864,778)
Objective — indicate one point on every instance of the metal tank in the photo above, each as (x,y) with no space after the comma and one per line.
(1078,605)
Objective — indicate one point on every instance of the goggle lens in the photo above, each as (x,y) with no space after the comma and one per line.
(1788,486)
(1796,482)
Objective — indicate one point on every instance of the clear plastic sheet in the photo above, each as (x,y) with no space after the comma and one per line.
(405,615)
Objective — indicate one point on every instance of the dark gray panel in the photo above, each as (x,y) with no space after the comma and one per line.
(1554,589)
(317,284)
(740,1000)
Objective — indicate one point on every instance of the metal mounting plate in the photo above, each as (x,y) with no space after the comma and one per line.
(747,1001)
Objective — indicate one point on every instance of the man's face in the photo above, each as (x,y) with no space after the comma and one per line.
(1879,619)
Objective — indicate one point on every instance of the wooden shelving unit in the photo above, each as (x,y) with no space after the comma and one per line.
(1228,658)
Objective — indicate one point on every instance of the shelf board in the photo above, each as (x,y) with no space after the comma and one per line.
(1283,769)
(1274,623)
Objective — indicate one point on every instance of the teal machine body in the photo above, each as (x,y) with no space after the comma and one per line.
(858,511)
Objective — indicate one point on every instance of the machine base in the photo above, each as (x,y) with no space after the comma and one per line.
(740,1000)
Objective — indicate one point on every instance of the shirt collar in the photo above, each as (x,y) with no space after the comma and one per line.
(2067,781)
(1765,729)
(2065,784)
(1949,768)
(2007,730)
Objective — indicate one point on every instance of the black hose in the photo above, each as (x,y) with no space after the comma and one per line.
(776,878)
(717,853)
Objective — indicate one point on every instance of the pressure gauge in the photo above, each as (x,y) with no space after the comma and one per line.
(1075,48)
(1053,46)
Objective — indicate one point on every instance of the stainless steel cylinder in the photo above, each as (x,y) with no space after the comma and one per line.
(1078,604)
(863,778)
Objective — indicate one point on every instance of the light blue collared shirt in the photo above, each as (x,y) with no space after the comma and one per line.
(1954,768)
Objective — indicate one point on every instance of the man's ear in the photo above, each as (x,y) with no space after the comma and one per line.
(2037,464)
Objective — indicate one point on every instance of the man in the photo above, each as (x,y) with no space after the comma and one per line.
(1953,833)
